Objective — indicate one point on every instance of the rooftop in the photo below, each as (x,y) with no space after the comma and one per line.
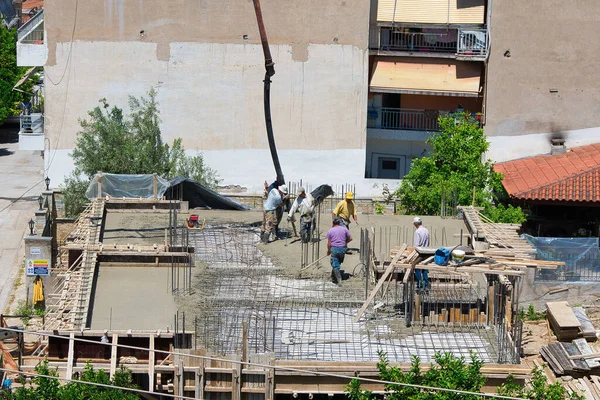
(572,177)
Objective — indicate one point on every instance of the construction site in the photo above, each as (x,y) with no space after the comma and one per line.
(210,312)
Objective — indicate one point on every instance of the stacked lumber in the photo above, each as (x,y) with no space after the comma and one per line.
(563,321)
(569,358)
(588,330)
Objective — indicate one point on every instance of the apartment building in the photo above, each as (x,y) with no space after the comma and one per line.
(358,86)
(426,59)
(206,62)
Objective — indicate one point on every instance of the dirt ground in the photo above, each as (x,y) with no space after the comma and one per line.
(149,227)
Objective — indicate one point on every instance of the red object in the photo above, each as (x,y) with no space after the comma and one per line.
(573,176)
(194,217)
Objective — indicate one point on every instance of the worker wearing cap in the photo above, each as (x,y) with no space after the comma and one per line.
(421,239)
(338,238)
(274,202)
(304,204)
(345,210)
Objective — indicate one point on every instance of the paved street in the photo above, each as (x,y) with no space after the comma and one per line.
(19,172)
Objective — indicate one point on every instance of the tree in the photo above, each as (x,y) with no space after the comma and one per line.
(454,169)
(50,388)
(112,142)
(451,372)
(10,74)
(537,389)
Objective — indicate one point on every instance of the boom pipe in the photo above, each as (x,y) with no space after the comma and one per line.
(269,72)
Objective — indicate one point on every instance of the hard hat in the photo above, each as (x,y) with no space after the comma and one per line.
(283,189)
(300,190)
(349,195)
(417,220)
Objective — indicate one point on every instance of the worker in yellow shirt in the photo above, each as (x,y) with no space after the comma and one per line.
(345,210)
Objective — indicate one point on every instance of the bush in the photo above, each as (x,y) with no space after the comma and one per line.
(112,142)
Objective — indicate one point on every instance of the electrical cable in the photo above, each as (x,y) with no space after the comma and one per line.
(21,196)
(67,65)
(173,396)
(265,366)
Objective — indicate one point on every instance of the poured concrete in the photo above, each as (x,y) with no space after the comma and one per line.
(138,298)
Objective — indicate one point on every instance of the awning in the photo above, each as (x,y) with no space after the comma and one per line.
(29,72)
(467,12)
(441,77)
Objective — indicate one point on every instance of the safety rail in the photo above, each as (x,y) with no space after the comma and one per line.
(31,25)
(463,42)
(409,119)
(31,123)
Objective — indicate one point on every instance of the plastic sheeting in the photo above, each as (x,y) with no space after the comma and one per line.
(581,255)
(127,186)
(197,195)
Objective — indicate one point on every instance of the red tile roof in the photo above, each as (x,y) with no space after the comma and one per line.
(573,176)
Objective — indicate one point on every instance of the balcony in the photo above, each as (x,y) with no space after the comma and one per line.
(408,119)
(467,44)
(31,132)
(32,50)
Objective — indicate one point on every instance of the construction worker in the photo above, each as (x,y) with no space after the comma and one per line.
(279,212)
(345,210)
(304,204)
(274,201)
(338,238)
(421,239)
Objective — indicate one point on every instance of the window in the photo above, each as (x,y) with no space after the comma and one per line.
(389,164)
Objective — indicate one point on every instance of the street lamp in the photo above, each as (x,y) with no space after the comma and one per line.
(47,180)
(31,226)
(40,201)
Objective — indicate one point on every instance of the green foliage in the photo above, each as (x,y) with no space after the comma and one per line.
(112,142)
(454,167)
(451,372)
(50,389)
(537,389)
(10,75)
(448,372)
(25,310)
(74,195)
(531,314)
(379,208)
(504,214)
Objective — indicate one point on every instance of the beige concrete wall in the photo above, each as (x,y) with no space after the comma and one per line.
(209,78)
(553,44)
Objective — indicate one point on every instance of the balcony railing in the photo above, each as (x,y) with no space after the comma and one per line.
(36,36)
(472,42)
(408,119)
(32,123)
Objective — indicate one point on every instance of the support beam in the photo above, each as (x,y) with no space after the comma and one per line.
(71,356)
(151,363)
(113,354)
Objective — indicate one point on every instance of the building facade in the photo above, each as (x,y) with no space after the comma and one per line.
(358,85)
(207,65)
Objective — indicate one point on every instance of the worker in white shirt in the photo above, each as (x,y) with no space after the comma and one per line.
(304,204)
(421,239)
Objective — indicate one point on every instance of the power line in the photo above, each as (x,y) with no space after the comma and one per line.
(21,196)
(174,396)
(67,66)
(267,366)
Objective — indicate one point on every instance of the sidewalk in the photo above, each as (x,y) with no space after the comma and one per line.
(20,171)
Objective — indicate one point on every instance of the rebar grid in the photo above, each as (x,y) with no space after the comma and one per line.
(237,288)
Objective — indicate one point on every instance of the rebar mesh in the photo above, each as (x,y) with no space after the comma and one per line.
(237,288)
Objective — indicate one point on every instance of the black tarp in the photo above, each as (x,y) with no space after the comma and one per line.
(197,195)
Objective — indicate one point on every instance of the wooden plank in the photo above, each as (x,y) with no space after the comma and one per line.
(114,354)
(562,314)
(151,362)
(380,283)
(71,356)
